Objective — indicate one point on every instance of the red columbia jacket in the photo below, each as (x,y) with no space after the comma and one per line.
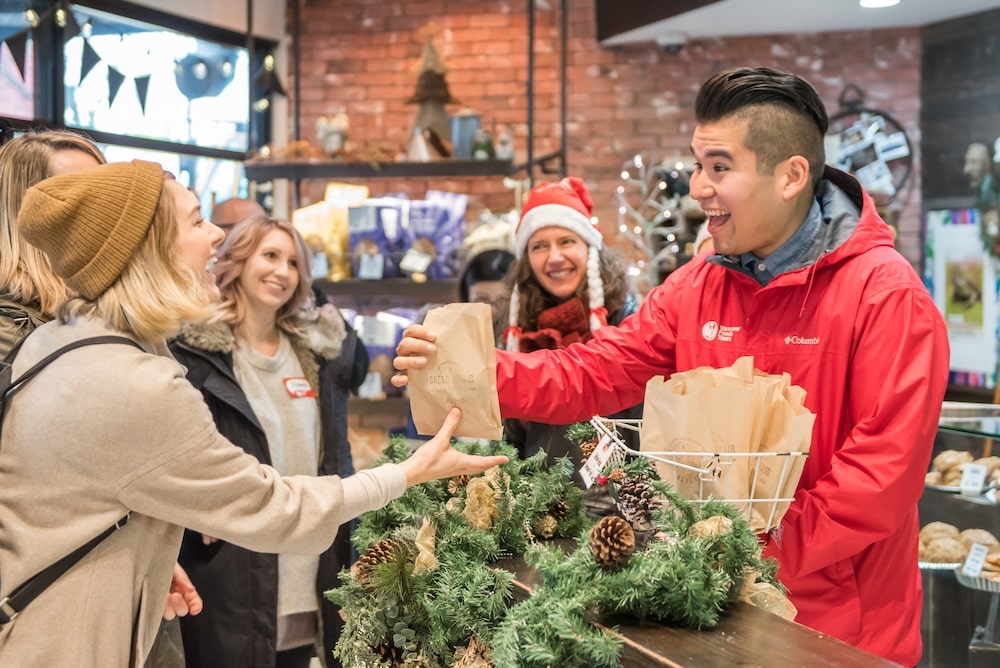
(854,327)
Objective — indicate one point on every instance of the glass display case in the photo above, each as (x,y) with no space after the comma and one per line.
(960,619)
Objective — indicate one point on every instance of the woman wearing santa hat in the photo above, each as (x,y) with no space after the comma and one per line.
(563,286)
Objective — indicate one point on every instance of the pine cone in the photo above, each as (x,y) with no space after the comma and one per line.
(456,484)
(480,504)
(389,653)
(545,526)
(708,528)
(587,448)
(381,552)
(559,510)
(617,475)
(475,655)
(637,500)
(612,542)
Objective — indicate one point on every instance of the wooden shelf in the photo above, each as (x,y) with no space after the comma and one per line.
(266,170)
(431,291)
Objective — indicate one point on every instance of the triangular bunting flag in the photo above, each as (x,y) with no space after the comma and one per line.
(115,81)
(18,45)
(269,82)
(89,59)
(142,88)
(72,28)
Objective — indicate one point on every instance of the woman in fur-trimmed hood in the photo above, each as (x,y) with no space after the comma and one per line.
(276,378)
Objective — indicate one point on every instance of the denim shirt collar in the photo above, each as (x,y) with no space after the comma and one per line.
(787,255)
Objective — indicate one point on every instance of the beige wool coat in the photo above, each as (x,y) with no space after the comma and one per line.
(108,429)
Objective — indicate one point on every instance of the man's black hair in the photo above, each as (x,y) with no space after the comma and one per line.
(785,114)
(490,265)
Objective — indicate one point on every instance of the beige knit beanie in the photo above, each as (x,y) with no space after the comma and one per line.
(90,223)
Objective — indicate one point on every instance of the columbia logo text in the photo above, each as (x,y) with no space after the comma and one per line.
(801,341)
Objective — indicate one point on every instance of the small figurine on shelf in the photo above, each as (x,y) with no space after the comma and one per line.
(440,146)
(505,144)
(432,92)
(418,150)
(482,146)
(332,132)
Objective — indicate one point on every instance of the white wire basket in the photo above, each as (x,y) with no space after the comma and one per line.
(760,484)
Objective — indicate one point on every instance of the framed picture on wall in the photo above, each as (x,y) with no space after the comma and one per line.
(962,277)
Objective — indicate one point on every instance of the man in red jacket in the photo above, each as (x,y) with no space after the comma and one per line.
(806,279)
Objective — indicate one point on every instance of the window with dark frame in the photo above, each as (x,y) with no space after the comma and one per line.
(141,83)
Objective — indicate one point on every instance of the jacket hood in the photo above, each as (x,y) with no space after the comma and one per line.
(323,335)
(851,225)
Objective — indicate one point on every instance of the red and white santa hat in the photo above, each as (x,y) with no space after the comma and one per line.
(564,203)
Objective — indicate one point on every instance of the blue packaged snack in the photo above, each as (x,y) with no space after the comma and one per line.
(436,228)
(377,237)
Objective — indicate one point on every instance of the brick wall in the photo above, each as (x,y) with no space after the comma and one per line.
(361,55)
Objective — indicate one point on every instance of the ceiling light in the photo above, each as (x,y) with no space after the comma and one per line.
(874,4)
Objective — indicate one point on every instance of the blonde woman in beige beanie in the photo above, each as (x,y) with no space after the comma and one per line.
(30,292)
(111,429)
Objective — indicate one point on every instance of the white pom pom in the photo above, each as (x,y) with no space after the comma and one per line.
(512,342)
(595,286)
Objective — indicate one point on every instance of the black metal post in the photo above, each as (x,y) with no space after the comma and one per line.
(531,93)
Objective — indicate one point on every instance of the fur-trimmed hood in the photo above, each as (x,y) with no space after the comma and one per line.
(321,335)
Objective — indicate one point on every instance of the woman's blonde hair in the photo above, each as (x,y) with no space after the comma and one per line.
(156,294)
(240,245)
(25,273)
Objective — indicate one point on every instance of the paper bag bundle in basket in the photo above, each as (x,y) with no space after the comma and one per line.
(462,373)
(737,419)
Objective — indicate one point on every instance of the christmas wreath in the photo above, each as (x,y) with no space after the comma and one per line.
(424,592)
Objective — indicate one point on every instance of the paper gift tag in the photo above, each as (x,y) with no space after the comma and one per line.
(603,453)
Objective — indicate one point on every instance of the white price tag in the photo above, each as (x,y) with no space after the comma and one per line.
(371,267)
(597,460)
(973,479)
(415,261)
(974,562)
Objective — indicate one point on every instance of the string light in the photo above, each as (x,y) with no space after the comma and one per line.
(31,16)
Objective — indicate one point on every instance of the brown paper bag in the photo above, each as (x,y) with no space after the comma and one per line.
(703,410)
(462,373)
(733,410)
(789,430)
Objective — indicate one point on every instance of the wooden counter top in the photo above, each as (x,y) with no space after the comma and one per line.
(746,636)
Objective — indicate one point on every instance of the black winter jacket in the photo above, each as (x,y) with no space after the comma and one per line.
(531,437)
(238,625)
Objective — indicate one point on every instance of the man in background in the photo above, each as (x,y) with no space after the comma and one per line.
(228,213)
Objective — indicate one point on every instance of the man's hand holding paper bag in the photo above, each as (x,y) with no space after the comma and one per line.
(462,373)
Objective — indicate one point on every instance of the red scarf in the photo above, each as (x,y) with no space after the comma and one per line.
(558,327)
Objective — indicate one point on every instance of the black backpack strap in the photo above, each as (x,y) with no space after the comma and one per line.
(24,594)
(12,605)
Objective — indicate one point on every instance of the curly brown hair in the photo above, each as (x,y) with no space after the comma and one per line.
(534,298)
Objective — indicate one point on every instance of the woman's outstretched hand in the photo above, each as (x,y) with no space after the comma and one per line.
(412,352)
(437,459)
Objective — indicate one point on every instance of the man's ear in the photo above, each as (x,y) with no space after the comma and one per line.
(795,177)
